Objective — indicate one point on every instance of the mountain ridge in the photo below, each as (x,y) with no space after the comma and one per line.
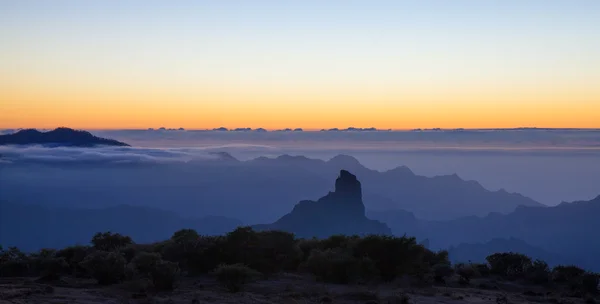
(339,212)
(61,137)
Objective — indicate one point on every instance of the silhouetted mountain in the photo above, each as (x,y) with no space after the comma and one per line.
(57,137)
(339,212)
(435,198)
(566,229)
(479,251)
(31,227)
(255,191)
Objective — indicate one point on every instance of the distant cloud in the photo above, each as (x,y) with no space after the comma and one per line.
(14,154)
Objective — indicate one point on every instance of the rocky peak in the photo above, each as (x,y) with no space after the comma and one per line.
(348,186)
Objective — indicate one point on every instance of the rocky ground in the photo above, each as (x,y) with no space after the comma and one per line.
(285,288)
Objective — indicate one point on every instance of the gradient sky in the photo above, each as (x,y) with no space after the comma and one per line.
(310,64)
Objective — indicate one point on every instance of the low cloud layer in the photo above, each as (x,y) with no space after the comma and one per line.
(39,154)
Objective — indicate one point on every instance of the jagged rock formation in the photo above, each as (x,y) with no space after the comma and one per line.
(339,212)
(57,137)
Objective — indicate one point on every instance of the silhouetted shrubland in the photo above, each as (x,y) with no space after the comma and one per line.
(244,255)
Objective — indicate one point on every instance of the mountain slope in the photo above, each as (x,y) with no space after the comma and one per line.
(57,137)
(567,229)
(339,212)
(434,198)
(241,188)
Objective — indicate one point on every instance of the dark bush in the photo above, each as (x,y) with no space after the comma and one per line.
(465,272)
(47,265)
(441,272)
(74,255)
(164,275)
(185,235)
(106,267)
(266,251)
(509,264)
(339,266)
(109,241)
(195,254)
(482,268)
(13,262)
(393,256)
(145,262)
(589,282)
(539,273)
(234,277)
(338,241)
(563,274)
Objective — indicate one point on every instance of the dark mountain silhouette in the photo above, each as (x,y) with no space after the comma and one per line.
(566,229)
(339,212)
(57,137)
(435,198)
(241,188)
(31,227)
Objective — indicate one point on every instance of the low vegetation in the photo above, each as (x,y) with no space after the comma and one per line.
(244,255)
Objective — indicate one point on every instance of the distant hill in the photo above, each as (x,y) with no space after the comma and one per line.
(256,191)
(339,212)
(568,229)
(58,137)
(434,198)
(31,227)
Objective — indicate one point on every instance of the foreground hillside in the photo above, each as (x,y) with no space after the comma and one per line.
(245,266)
(283,288)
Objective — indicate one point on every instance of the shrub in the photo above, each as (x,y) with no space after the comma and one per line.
(46,264)
(106,267)
(234,277)
(265,251)
(393,256)
(185,235)
(338,266)
(539,272)
(482,268)
(74,255)
(13,262)
(52,268)
(466,272)
(509,264)
(589,282)
(163,274)
(563,274)
(109,241)
(145,262)
(441,272)
(196,254)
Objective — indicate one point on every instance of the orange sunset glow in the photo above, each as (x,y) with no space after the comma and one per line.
(126,70)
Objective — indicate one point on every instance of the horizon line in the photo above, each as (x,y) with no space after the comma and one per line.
(335,129)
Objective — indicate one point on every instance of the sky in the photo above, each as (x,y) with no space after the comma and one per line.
(310,64)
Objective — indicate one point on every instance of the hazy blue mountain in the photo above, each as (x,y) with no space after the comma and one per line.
(31,227)
(339,212)
(57,137)
(567,230)
(256,191)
